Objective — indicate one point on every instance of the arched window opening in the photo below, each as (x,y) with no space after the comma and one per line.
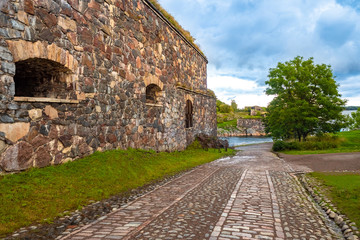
(38,77)
(188,114)
(153,92)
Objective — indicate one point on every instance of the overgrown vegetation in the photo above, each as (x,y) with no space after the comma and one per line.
(228,113)
(343,189)
(37,194)
(172,20)
(328,143)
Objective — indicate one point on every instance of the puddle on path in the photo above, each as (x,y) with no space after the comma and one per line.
(235,159)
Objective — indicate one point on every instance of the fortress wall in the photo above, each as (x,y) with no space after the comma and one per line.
(78,76)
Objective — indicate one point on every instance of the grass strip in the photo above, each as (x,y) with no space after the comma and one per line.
(37,194)
(351,143)
(343,189)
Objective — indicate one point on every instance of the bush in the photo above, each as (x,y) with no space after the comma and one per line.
(279,146)
(321,142)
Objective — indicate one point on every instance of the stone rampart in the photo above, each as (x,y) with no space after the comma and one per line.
(78,76)
(251,127)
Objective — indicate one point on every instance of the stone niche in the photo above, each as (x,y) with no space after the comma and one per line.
(37,77)
(84,76)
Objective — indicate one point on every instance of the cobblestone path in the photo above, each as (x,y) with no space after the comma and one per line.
(253,195)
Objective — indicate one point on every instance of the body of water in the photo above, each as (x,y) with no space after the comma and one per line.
(236,141)
(348,112)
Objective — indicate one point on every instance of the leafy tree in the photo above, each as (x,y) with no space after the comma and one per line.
(224,108)
(306,100)
(354,120)
(234,106)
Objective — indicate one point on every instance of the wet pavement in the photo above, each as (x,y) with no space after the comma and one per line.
(253,195)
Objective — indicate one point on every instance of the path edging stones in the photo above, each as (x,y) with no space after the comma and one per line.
(348,228)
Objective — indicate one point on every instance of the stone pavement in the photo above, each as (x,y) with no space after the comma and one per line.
(253,195)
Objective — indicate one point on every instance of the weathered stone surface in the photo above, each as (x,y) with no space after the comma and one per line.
(2,146)
(8,67)
(42,156)
(35,114)
(17,157)
(51,112)
(29,6)
(67,24)
(66,140)
(15,131)
(39,140)
(93,61)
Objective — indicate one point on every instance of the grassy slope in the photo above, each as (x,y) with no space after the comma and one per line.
(344,191)
(351,144)
(38,194)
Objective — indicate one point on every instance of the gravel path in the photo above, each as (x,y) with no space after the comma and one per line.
(253,195)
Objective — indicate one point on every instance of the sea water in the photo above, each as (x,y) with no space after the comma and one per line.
(238,141)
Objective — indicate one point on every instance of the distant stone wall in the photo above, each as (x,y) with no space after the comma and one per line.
(251,127)
(76,76)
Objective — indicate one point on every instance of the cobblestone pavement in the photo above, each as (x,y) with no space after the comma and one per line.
(253,195)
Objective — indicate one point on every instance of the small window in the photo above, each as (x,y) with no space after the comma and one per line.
(38,77)
(153,94)
(188,114)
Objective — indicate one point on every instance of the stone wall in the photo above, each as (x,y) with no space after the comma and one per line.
(73,80)
(251,127)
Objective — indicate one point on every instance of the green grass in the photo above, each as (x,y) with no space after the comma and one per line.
(343,189)
(350,143)
(232,124)
(32,196)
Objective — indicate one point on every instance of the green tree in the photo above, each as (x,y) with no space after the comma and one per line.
(306,100)
(234,106)
(224,108)
(354,120)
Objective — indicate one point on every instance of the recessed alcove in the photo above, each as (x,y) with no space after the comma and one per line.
(38,77)
(189,114)
(153,93)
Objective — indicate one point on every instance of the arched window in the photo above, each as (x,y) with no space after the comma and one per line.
(152,93)
(38,77)
(189,114)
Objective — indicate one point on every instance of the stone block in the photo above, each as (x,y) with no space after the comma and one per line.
(17,157)
(35,114)
(49,19)
(51,112)
(67,24)
(5,54)
(8,67)
(15,131)
(39,140)
(42,156)
(29,7)
(2,146)
(17,25)
(66,140)
(22,17)
(4,118)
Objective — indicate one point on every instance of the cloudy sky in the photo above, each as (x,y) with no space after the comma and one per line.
(244,38)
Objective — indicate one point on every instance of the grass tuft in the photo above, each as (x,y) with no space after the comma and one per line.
(37,194)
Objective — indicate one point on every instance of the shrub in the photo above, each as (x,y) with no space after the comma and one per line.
(322,142)
(279,146)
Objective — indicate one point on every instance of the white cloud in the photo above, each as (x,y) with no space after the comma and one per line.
(233,83)
(245,38)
